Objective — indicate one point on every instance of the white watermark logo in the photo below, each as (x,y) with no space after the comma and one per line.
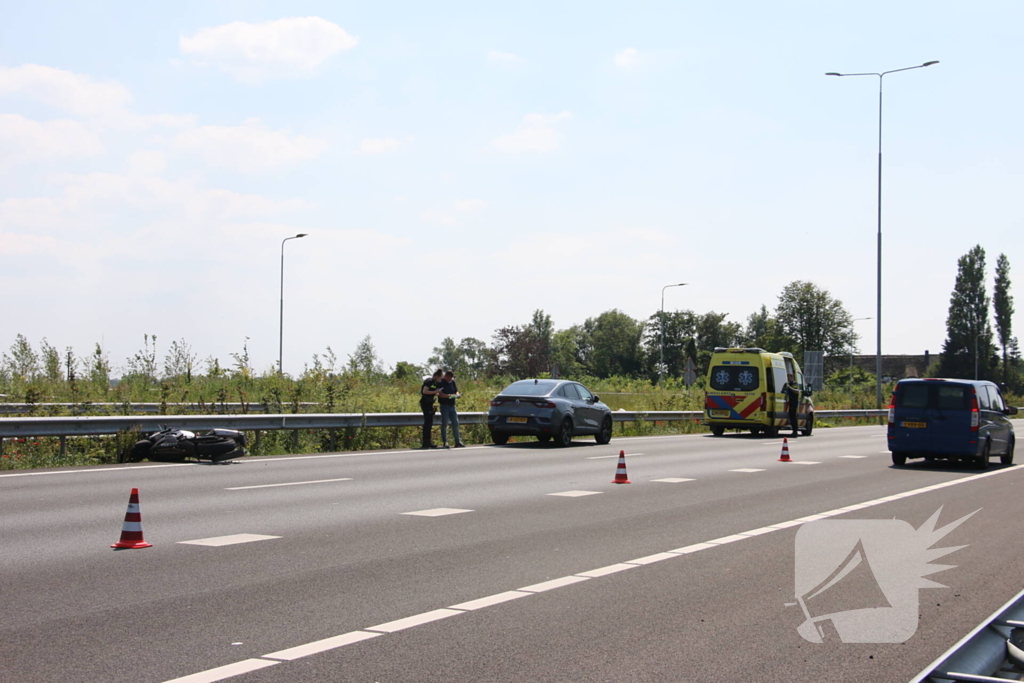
(857,579)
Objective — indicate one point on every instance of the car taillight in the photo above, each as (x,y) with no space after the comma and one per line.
(975,415)
(496,402)
(892,408)
(544,404)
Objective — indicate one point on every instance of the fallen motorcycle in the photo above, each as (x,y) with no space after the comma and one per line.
(178,445)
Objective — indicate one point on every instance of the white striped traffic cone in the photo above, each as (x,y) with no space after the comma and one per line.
(131,532)
(785,451)
(620,471)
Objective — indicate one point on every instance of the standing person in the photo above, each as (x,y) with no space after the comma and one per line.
(429,390)
(792,392)
(446,397)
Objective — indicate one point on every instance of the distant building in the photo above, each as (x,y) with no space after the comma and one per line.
(894,367)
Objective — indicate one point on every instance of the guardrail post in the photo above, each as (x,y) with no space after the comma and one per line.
(1,445)
(256,441)
(63,446)
(332,436)
(295,440)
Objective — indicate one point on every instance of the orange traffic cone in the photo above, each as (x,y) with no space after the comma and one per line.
(785,451)
(131,532)
(620,471)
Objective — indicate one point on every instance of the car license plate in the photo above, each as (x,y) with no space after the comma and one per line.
(517,419)
(719,413)
(915,425)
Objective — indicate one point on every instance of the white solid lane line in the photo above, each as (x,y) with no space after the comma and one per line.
(227,671)
(415,620)
(322,645)
(490,600)
(290,483)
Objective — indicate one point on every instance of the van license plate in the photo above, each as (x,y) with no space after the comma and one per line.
(517,419)
(915,425)
(719,413)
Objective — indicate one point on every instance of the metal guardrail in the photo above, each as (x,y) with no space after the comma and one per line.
(145,408)
(97,425)
(982,654)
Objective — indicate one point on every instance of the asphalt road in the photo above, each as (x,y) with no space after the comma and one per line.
(518,585)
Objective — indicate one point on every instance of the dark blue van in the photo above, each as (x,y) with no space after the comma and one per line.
(953,419)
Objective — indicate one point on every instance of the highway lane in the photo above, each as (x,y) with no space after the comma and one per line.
(347,557)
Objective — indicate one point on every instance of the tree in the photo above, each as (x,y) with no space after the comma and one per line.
(99,368)
(446,355)
(712,331)
(1002,302)
(612,345)
(51,362)
(518,351)
(180,361)
(968,349)
(23,363)
(763,331)
(143,363)
(473,353)
(814,320)
(565,352)
(364,360)
(680,328)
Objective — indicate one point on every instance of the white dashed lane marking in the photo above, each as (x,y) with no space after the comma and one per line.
(806,462)
(436,512)
(216,541)
(747,470)
(602,457)
(576,494)
(290,483)
(673,480)
(856,457)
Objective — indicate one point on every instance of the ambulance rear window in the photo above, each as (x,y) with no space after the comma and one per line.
(734,378)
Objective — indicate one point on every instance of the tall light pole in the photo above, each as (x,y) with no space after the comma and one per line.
(878,352)
(280,338)
(661,364)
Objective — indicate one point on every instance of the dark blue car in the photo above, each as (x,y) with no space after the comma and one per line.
(548,409)
(952,419)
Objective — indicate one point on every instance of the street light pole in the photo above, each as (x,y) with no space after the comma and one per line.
(280,338)
(661,364)
(878,353)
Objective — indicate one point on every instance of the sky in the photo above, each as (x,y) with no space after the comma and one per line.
(458,165)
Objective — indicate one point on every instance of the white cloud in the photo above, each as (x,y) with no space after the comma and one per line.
(250,147)
(285,48)
(95,200)
(147,162)
(76,93)
(379,145)
(503,57)
(449,216)
(24,140)
(469,205)
(536,134)
(627,58)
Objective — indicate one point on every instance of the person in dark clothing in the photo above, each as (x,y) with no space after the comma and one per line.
(429,390)
(792,392)
(446,397)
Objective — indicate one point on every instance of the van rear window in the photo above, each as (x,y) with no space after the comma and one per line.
(934,396)
(734,378)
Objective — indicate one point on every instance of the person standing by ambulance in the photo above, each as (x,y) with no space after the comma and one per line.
(429,390)
(792,392)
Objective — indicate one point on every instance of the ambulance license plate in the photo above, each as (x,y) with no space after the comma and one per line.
(719,413)
(915,425)
(517,419)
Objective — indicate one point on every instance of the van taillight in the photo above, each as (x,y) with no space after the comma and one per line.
(764,401)
(892,408)
(975,415)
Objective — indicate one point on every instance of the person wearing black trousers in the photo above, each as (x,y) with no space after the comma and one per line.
(792,393)
(429,390)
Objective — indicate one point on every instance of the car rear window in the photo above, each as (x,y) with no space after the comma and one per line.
(913,396)
(935,396)
(529,388)
(734,378)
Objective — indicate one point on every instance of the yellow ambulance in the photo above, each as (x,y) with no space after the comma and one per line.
(744,392)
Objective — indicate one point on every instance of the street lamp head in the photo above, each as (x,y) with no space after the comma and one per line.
(302,234)
(930,63)
(833,73)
